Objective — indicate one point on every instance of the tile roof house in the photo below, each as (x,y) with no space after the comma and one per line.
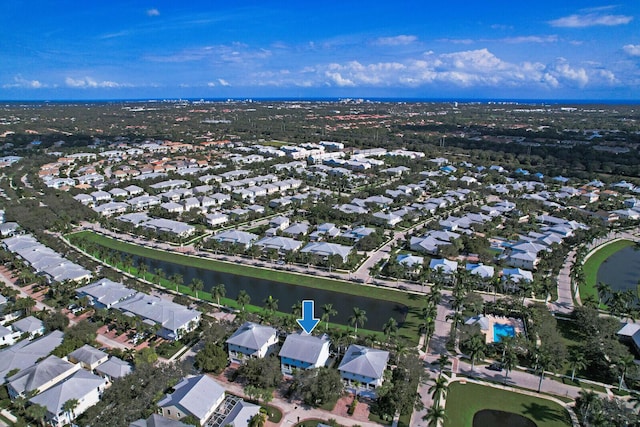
(198,396)
(303,351)
(27,353)
(363,365)
(40,376)
(251,341)
(83,386)
(114,368)
(88,357)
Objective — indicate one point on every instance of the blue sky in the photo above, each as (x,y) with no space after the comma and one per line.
(212,49)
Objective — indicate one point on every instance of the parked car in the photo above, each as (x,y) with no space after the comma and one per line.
(495,366)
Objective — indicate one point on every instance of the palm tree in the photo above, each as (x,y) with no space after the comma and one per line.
(476,345)
(243,298)
(623,363)
(358,317)
(296,310)
(327,312)
(390,327)
(37,412)
(196,285)
(259,419)
(270,304)
(160,274)
(142,270)
(443,362)
(219,291)
(585,401)
(508,362)
(576,361)
(69,406)
(438,390)
(435,416)
(178,280)
(604,290)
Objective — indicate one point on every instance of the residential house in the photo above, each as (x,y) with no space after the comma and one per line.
(236,237)
(113,369)
(29,325)
(88,357)
(8,336)
(364,367)
(197,396)
(155,420)
(410,261)
(174,320)
(105,293)
(251,341)
(303,351)
(82,386)
(324,249)
(444,265)
(26,353)
(280,244)
(480,270)
(40,377)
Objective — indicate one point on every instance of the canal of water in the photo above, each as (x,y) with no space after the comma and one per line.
(377,311)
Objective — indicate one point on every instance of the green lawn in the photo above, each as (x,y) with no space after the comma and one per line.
(409,330)
(464,400)
(592,265)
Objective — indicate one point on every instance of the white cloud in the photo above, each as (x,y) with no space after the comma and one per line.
(153,12)
(396,40)
(223,82)
(90,83)
(590,20)
(563,71)
(21,82)
(211,84)
(531,39)
(632,49)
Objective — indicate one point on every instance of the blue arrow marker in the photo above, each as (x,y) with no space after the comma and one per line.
(308,323)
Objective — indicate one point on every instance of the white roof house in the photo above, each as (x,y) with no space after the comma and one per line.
(174,319)
(481,270)
(198,396)
(113,368)
(236,237)
(444,265)
(40,376)
(410,261)
(281,244)
(364,365)
(83,386)
(105,293)
(251,340)
(325,249)
(29,325)
(303,351)
(27,353)
(88,357)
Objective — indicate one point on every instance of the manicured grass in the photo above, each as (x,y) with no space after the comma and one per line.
(464,400)
(592,265)
(408,331)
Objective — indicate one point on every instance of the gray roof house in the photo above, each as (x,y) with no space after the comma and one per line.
(40,376)
(30,325)
(83,386)
(325,249)
(88,357)
(156,420)
(251,340)
(174,319)
(26,353)
(236,237)
(281,244)
(365,366)
(105,293)
(198,396)
(303,351)
(114,368)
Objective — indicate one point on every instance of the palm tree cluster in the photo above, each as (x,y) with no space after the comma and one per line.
(594,410)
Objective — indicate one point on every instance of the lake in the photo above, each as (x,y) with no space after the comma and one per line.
(378,311)
(621,270)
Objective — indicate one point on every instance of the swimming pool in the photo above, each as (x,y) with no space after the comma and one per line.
(500,330)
